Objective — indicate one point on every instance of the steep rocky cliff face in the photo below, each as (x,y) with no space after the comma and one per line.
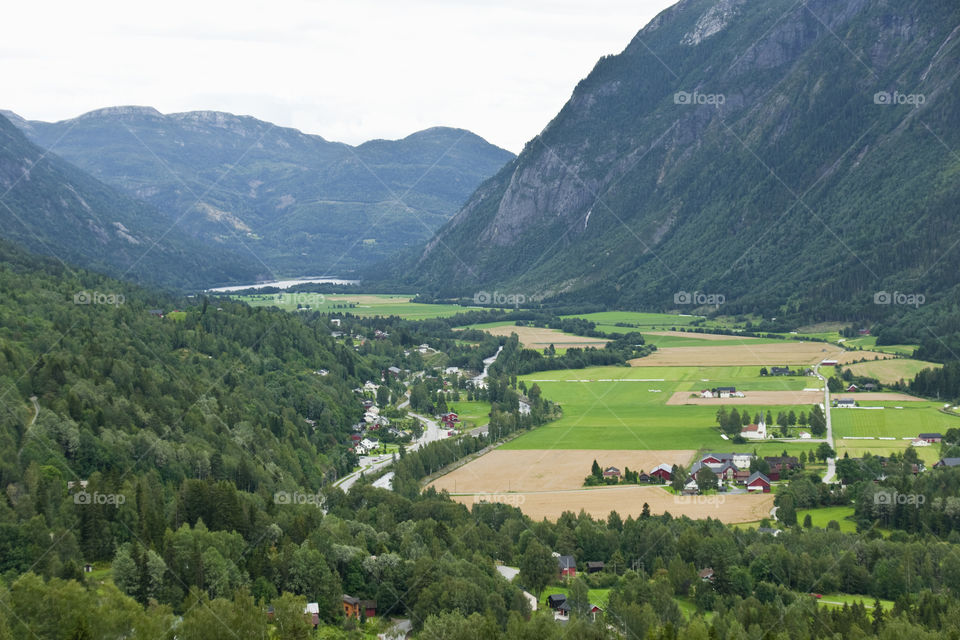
(783,154)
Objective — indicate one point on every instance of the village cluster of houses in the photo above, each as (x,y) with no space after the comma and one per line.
(721,392)
(364,436)
(352,608)
(567,569)
(730,468)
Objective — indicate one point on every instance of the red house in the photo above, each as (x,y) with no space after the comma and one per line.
(758,483)
(611,472)
(662,472)
(932,438)
(568,566)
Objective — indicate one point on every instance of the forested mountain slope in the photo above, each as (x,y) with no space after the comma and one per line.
(52,207)
(302,204)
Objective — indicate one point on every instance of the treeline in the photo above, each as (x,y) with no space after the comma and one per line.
(942,383)
(517,360)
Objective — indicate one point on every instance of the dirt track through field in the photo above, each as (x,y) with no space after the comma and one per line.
(786,353)
(547,470)
(629,501)
(752,398)
(540,338)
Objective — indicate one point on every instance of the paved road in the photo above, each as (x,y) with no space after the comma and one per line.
(831,462)
(368,464)
(399,630)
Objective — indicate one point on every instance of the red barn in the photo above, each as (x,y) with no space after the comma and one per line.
(663,472)
(568,566)
(758,483)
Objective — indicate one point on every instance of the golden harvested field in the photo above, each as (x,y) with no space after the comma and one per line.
(752,398)
(547,470)
(701,336)
(540,338)
(786,353)
(629,500)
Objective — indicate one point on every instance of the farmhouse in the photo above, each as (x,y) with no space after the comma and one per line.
(312,611)
(394,371)
(567,566)
(932,438)
(611,472)
(706,393)
(843,403)
(354,607)
(780,465)
(554,600)
(662,472)
(780,371)
(706,575)
(739,460)
(947,462)
(829,363)
(805,435)
(758,483)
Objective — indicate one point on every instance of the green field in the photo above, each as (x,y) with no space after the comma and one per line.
(859,448)
(912,419)
(625,408)
(357,304)
(598,597)
(891,371)
(823,515)
(837,600)
(471,413)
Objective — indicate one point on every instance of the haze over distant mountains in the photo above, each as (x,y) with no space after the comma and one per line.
(286,202)
(791,156)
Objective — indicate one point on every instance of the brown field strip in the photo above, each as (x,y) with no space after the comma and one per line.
(547,470)
(629,501)
(540,338)
(719,337)
(786,353)
(753,398)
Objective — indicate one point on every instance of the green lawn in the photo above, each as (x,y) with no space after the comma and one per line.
(890,422)
(357,304)
(598,597)
(822,515)
(837,600)
(625,408)
(472,413)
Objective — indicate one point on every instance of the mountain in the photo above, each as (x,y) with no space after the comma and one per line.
(793,158)
(303,205)
(49,206)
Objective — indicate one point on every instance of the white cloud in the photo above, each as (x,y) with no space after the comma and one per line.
(348,71)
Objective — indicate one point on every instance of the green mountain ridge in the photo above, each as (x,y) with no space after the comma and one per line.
(297,202)
(49,206)
(735,148)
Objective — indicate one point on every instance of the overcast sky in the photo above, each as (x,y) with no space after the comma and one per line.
(349,70)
